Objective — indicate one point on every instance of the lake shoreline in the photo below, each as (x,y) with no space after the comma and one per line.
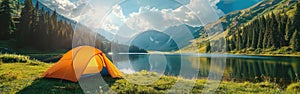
(240,54)
(269,55)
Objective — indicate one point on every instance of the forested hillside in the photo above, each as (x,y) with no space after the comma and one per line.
(29,26)
(270,26)
(32,27)
(274,31)
(271,31)
(42,30)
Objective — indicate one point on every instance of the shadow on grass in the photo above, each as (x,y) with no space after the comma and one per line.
(53,86)
(58,86)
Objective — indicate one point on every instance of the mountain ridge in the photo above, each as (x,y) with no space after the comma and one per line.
(238,19)
(171,39)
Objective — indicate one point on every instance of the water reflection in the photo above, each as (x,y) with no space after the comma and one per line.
(235,67)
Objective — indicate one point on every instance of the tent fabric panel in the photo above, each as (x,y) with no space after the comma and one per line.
(93,66)
(70,54)
(100,62)
(62,70)
(65,61)
(66,73)
(82,59)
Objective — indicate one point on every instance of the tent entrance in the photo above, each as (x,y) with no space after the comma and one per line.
(95,66)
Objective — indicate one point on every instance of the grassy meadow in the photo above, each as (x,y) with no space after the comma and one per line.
(20,74)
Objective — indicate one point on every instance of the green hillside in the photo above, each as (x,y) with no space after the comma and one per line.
(275,20)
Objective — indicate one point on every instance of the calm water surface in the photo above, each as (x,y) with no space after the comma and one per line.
(204,65)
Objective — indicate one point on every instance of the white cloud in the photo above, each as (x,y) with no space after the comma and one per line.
(196,13)
(69,8)
(62,6)
(110,27)
(152,18)
(100,15)
(113,20)
(206,10)
(117,11)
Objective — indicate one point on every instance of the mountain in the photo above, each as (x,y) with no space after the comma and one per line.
(270,24)
(155,40)
(237,18)
(171,39)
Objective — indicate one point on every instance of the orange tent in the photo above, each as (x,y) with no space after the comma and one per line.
(79,61)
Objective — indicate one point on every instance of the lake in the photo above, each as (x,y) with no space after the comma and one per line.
(213,66)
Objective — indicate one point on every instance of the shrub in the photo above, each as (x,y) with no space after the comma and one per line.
(289,49)
(295,87)
(34,62)
(12,58)
(251,49)
(258,50)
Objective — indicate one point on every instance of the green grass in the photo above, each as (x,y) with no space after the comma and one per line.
(24,78)
(12,58)
(284,51)
(164,83)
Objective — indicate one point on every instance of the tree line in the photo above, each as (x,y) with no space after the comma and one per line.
(271,31)
(34,27)
(40,29)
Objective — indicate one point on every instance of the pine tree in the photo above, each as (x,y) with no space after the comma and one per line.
(233,43)
(283,25)
(25,23)
(274,36)
(295,41)
(243,38)
(288,30)
(228,45)
(6,23)
(261,32)
(46,27)
(69,36)
(255,35)
(239,41)
(34,26)
(53,25)
(208,47)
(42,30)
(297,17)
(295,38)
